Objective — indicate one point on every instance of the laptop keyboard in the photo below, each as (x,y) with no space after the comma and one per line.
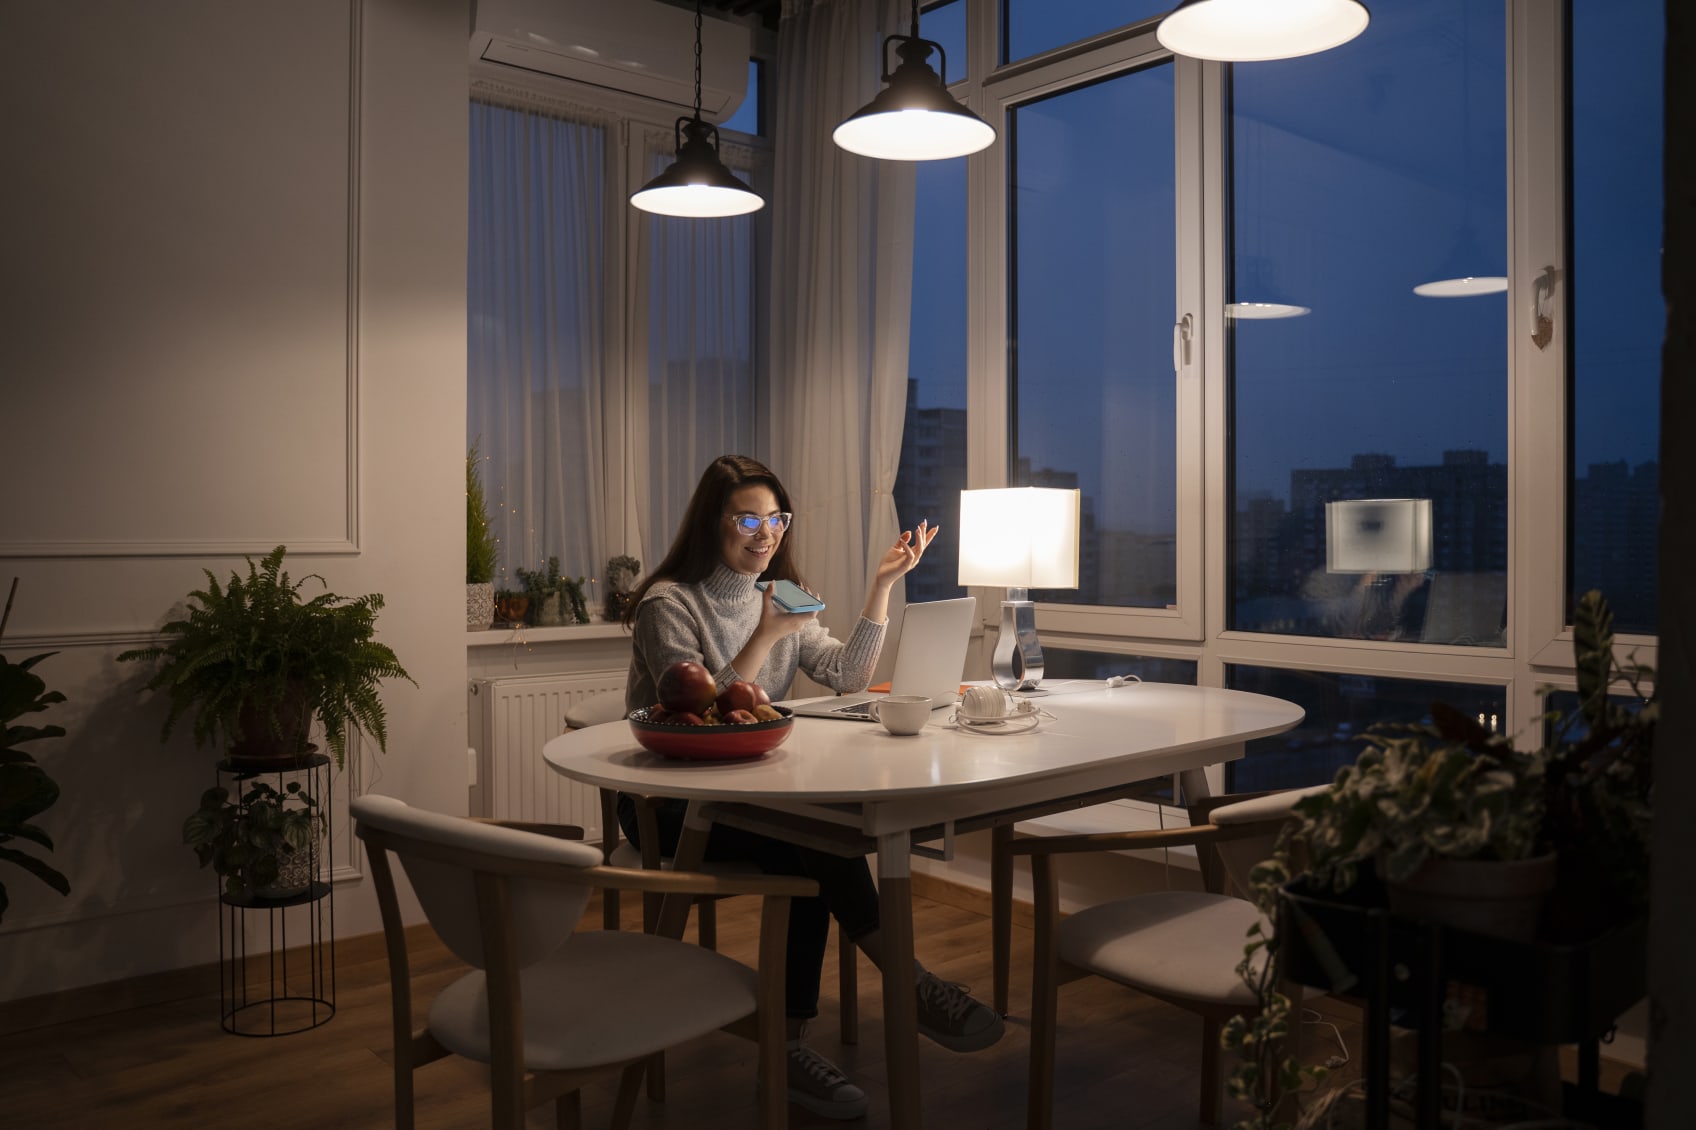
(857,710)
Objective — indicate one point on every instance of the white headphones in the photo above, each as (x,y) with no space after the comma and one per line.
(992,704)
(1122,680)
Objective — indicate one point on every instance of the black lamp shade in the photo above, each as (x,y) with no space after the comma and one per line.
(914,118)
(697,184)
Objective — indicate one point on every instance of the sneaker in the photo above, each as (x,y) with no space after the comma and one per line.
(817,1084)
(949,1015)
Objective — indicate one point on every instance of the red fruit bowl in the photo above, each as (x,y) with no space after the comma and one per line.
(711,743)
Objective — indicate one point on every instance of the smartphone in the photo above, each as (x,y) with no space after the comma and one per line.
(791,597)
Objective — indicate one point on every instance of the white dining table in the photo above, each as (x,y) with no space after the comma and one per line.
(854,788)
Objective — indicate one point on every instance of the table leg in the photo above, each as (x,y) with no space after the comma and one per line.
(1000,911)
(691,850)
(900,1005)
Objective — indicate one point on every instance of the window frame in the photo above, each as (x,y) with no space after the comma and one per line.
(1538,645)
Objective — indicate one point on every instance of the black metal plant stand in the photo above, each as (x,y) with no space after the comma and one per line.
(276,991)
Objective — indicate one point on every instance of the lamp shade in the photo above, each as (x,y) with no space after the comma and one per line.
(1246,31)
(1378,535)
(1019,537)
(914,118)
(696,184)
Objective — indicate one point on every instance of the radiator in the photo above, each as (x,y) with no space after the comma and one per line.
(511,719)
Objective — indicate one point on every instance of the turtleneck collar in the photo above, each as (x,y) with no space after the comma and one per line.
(725,583)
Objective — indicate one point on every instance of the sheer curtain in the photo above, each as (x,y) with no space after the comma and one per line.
(696,338)
(535,342)
(842,262)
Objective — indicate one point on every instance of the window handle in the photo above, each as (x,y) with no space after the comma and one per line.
(1543,307)
(1181,342)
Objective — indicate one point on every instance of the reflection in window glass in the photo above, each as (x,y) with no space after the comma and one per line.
(1092,295)
(747,116)
(1563,721)
(945,23)
(1070,663)
(932,472)
(1358,174)
(1617,313)
(1339,708)
(1034,26)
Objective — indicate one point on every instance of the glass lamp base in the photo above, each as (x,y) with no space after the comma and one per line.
(1017,662)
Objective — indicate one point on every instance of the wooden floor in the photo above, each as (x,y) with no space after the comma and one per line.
(1125,1060)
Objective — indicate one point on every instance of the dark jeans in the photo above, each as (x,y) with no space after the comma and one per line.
(845,891)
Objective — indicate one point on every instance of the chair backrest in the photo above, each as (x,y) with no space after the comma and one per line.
(1268,810)
(443,855)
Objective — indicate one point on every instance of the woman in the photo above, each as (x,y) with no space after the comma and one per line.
(700,604)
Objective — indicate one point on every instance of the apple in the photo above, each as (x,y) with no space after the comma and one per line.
(658,713)
(740,718)
(687,687)
(741,695)
(765,712)
(685,718)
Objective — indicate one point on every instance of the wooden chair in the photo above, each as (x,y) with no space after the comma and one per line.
(1182,947)
(546,1008)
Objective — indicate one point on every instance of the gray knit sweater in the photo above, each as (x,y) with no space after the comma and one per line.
(710,622)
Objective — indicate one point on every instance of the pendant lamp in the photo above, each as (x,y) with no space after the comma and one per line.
(697,184)
(1247,31)
(914,118)
(1456,276)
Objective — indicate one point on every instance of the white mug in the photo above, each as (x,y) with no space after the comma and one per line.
(902,714)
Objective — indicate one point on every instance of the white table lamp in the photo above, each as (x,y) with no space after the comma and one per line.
(1019,538)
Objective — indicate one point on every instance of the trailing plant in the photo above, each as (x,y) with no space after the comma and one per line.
(248,841)
(247,650)
(540,585)
(26,791)
(481,549)
(1453,789)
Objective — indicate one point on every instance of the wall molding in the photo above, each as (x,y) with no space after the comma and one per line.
(349,542)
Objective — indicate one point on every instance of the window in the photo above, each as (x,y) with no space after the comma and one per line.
(1617,313)
(1339,709)
(945,23)
(932,472)
(1035,26)
(1358,175)
(750,116)
(1092,289)
(536,255)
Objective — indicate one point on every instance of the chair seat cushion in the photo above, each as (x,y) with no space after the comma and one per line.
(1183,944)
(604,997)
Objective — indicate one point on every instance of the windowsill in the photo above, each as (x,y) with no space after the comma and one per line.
(599,630)
(1115,816)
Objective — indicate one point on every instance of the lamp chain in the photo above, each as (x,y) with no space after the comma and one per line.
(915,19)
(697,60)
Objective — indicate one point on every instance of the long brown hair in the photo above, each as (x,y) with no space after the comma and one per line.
(694,552)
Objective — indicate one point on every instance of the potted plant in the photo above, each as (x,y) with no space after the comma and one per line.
(1431,800)
(254,663)
(481,550)
(511,608)
(26,791)
(621,581)
(264,843)
(552,599)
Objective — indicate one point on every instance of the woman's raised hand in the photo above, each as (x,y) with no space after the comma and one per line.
(901,557)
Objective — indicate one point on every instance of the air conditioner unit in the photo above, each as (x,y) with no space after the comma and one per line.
(640,47)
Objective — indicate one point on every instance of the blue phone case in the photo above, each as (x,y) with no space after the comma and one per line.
(791,597)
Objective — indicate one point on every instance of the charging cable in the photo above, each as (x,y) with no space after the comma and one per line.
(1122,680)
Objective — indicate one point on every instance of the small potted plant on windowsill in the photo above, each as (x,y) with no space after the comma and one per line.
(481,550)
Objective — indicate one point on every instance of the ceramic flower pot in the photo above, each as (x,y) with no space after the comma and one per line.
(479,607)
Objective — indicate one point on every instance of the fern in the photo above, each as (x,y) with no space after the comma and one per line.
(256,644)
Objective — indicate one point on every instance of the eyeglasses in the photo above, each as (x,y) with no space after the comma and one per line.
(749,524)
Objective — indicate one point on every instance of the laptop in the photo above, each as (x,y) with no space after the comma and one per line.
(931,659)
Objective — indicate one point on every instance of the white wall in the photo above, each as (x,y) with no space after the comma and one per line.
(235,296)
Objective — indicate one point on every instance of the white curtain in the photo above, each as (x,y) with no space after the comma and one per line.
(695,339)
(535,351)
(842,261)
